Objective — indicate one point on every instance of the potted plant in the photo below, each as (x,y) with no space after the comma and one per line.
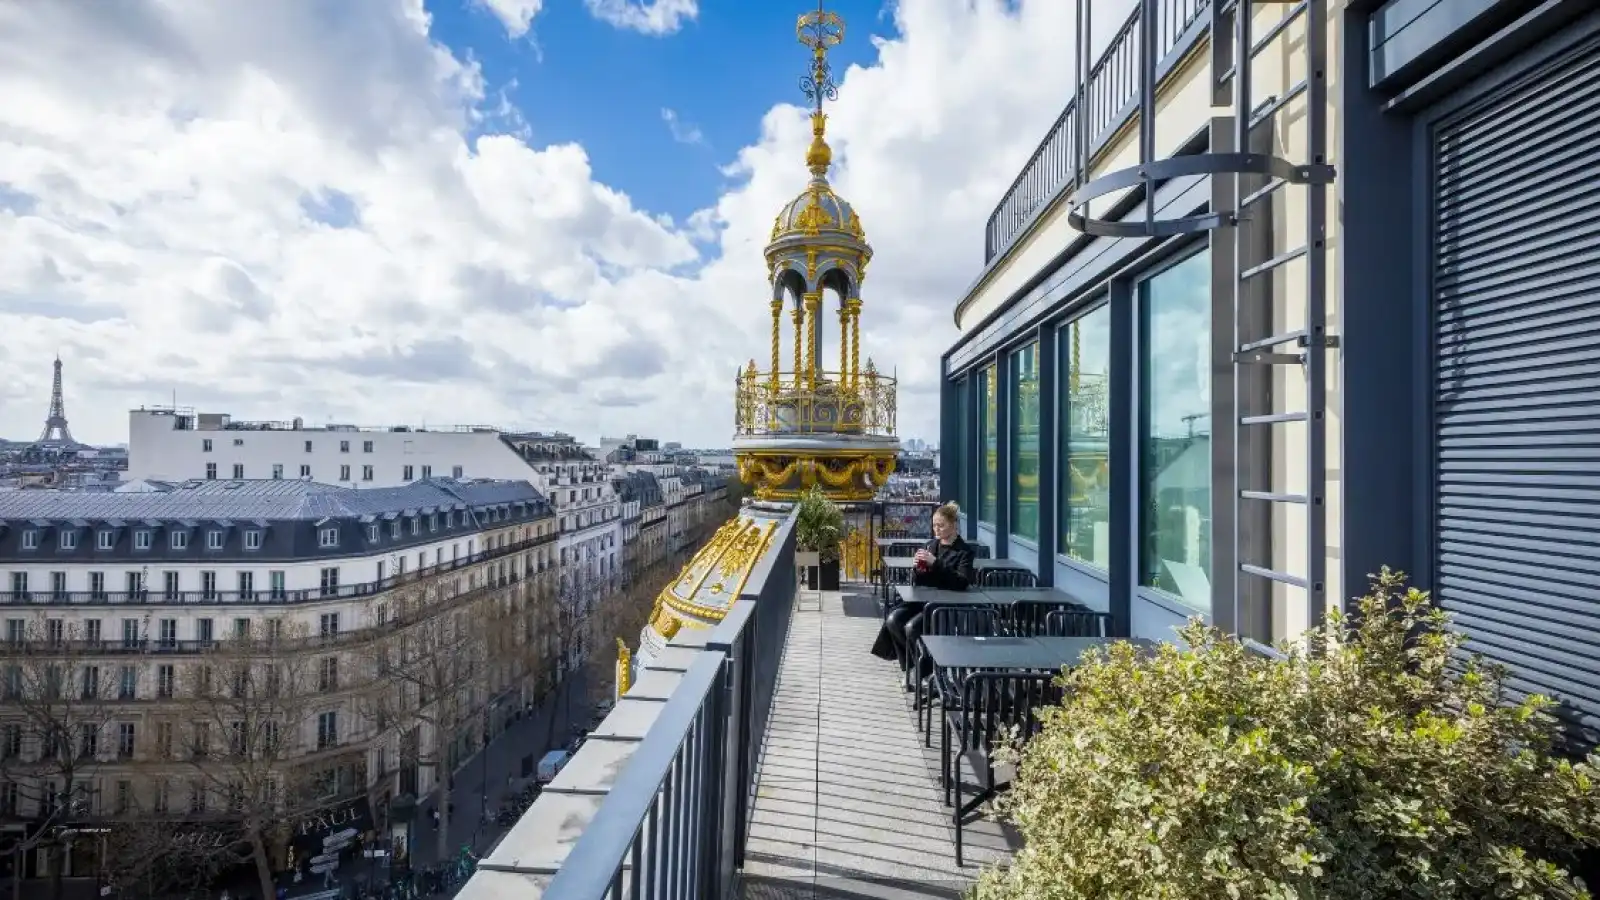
(818,528)
(1386,764)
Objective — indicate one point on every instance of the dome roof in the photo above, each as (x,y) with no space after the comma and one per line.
(816,211)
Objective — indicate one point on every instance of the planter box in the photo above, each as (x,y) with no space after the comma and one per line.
(828,578)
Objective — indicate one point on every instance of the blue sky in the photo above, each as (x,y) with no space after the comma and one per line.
(580,79)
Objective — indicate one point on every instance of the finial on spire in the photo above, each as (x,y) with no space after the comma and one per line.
(821,31)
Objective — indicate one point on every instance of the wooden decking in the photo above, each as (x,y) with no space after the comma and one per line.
(848,802)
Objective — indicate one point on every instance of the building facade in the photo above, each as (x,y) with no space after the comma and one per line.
(177,444)
(157,641)
(1182,392)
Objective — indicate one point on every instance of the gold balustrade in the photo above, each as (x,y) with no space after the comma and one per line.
(814,402)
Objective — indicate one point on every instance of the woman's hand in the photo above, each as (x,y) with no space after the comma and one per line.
(923,556)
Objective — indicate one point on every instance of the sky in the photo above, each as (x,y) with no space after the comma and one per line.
(542,214)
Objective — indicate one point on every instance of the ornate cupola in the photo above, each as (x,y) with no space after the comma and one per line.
(807,426)
(811,425)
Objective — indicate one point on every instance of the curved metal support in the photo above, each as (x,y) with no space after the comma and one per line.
(1149,174)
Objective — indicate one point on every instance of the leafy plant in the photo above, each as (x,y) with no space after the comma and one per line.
(818,525)
(1390,765)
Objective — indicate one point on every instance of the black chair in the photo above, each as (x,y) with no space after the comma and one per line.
(889,577)
(987,708)
(1007,578)
(945,619)
(1030,616)
(1076,623)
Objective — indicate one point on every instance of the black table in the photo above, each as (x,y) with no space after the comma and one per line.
(1010,565)
(907,593)
(885,543)
(1032,595)
(1013,653)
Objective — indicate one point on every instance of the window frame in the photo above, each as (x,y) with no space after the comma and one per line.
(988,397)
(1098,304)
(1140,296)
(1014,399)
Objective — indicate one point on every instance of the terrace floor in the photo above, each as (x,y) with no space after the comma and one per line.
(848,804)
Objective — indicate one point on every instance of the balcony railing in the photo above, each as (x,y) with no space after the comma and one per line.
(1110,99)
(783,403)
(674,822)
(266,596)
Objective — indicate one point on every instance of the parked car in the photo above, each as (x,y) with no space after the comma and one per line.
(551,765)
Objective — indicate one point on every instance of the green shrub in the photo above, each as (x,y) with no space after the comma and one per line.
(818,525)
(1390,766)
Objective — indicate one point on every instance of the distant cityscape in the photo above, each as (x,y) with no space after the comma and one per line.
(59,461)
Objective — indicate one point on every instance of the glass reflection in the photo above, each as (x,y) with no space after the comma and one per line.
(987,501)
(1085,481)
(1025,442)
(1176,410)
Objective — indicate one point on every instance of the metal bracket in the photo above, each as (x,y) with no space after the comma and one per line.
(1267,358)
(1149,174)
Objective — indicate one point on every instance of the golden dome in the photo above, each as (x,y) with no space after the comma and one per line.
(816,211)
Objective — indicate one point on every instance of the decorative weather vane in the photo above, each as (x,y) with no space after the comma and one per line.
(821,31)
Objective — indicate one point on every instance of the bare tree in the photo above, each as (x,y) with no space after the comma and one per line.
(59,699)
(429,676)
(148,861)
(253,726)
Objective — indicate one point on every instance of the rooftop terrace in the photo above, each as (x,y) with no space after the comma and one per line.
(770,757)
(848,802)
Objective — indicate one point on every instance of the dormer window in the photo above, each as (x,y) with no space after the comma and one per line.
(178,540)
(69,539)
(252,539)
(433,522)
(394,530)
(214,539)
(416,525)
(328,537)
(141,539)
(30,539)
(372,534)
(106,539)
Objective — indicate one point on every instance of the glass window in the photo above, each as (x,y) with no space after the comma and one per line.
(1025,442)
(1175,408)
(989,446)
(1085,479)
(963,449)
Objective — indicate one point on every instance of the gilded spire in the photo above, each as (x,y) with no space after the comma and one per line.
(821,31)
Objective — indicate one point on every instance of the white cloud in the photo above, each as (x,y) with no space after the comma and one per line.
(515,15)
(682,132)
(645,16)
(278,211)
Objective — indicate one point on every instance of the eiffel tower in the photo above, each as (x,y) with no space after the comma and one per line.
(55,426)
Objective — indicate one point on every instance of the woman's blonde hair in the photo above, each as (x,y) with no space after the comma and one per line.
(949,512)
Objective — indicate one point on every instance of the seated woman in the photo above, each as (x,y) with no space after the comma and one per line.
(945,564)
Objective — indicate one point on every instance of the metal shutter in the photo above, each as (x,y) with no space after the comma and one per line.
(1516,293)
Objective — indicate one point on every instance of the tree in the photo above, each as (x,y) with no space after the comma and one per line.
(59,700)
(621,615)
(150,861)
(565,635)
(257,716)
(429,676)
